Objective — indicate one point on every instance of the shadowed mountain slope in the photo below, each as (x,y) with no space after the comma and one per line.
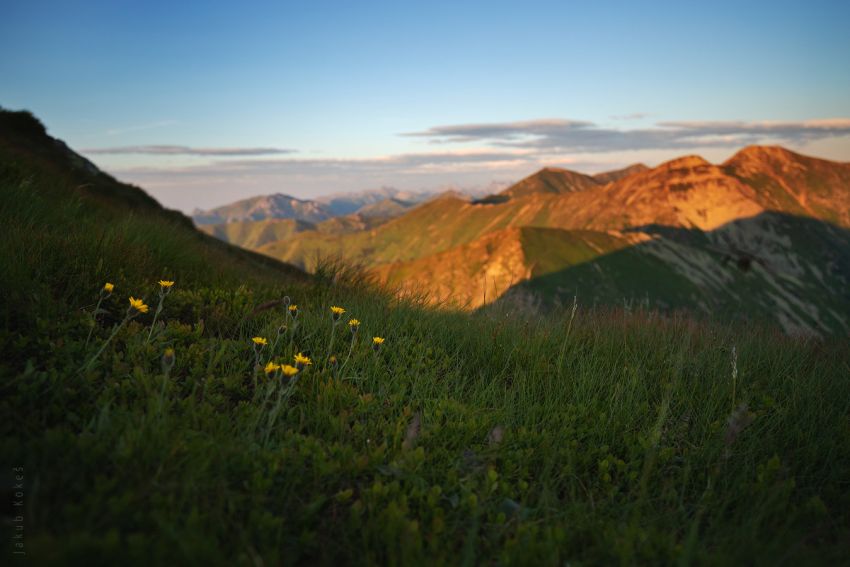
(789,270)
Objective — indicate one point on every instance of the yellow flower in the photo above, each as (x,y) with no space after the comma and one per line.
(165,284)
(260,341)
(293,308)
(302,360)
(108,287)
(353,323)
(167,360)
(337,310)
(271,367)
(289,371)
(138,305)
(377,340)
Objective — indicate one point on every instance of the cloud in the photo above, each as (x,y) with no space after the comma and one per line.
(392,163)
(500,131)
(140,127)
(186,150)
(559,135)
(632,116)
(503,151)
(226,180)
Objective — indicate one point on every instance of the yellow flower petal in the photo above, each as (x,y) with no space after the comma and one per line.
(288,370)
(138,305)
(301,359)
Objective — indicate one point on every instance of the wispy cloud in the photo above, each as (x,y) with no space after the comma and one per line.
(503,151)
(186,150)
(401,163)
(226,180)
(632,116)
(389,162)
(582,136)
(501,131)
(140,127)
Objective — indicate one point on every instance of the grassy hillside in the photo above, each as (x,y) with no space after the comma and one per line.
(578,436)
(258,234)
(253,234)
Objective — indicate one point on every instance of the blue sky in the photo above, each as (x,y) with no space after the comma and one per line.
(205,103)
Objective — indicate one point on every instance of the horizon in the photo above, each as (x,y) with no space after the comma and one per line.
(203,106)
(474,191)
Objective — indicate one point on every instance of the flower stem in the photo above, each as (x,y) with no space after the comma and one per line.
(94,317)
(155,315)
(350,349)
(130,314)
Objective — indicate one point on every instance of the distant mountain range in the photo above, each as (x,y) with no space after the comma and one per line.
(382,202)
(341,204)
(277,206)
(765,235)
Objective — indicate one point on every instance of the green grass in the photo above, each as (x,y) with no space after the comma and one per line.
(543,440)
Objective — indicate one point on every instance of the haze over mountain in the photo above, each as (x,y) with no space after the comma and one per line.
(763,235)
(384,202)
(346,203)
(277,206)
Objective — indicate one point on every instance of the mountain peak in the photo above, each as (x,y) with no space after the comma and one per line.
(762,154)
(551,180)
(685,162)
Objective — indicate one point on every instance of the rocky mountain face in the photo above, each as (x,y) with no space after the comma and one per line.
(765,235)
(616,175)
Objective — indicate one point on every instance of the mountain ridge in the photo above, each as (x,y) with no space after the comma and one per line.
(451,245)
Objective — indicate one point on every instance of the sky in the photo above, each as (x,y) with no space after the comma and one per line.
(205,103)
